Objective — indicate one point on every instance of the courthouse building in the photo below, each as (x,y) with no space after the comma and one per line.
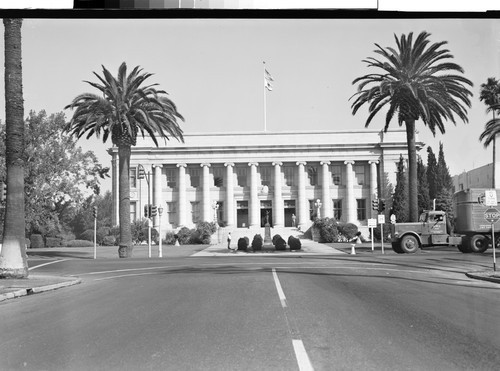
(242,178)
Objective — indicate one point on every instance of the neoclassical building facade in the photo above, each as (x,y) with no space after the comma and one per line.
(244,178)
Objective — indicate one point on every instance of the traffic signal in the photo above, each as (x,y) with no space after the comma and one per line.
(154,210)
(3,191)
(381,206)
(375,204)
(147,211)
(141,174)
(95,212)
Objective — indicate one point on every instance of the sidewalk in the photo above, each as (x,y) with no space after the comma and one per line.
(35,283)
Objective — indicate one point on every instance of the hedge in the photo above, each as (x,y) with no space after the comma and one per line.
(257,242)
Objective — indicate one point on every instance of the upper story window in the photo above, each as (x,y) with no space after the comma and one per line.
(218,176)
(312,174)
(289,172)
(171,178)
(360,174)
(133,177)
(241,173)
(336,171)
(194,175)
(265,176)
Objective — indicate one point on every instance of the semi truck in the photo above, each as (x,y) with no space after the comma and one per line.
(471,232)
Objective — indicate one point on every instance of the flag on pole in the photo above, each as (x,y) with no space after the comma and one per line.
(268,79)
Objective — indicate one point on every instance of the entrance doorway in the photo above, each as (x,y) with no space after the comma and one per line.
(289,211)
(266,213)
(242,214)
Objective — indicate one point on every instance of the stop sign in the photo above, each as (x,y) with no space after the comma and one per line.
(492,215)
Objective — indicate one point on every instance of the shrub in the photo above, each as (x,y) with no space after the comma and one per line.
(184,235)
(328,229)
(243,243)
(79,243)
(348,230)
(37,241)
(204,230)
(279,243)
(257,242)
(294,243)
(109,241)
(52,242)
(387,233)
(88,235)
(170,238)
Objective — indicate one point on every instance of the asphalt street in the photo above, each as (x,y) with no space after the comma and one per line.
(342,312)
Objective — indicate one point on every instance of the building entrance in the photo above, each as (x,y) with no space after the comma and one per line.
(289,211)
(242,214)
(266,212)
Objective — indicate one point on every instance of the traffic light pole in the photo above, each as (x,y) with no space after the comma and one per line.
(95,232)
(142,175)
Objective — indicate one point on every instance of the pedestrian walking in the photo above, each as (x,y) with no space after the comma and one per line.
(294,220)
(229,240)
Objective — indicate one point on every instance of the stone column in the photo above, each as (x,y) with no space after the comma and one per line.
(207,205)
(373,186)
(115,220)
(254,196)
(278,206)
(303,217)
(157,199)
(181,207)
(326,198)
(230,206)
(350,201)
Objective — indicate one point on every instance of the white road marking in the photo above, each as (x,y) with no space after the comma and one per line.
(281,294)
(301,355)
(52,262)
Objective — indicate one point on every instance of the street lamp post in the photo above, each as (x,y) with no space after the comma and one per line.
(160,252)
(318,207)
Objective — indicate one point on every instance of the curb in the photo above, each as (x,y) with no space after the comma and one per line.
(483,276)
(37,290)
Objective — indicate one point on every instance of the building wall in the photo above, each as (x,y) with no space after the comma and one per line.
(261,155)
(480,177)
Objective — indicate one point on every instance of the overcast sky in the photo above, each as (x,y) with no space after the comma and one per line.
(213,70)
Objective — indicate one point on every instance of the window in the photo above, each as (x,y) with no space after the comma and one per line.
(361,208)
(337,209)
(359,171)
(172,212)
(133,211)
(265,175)
(336,171)
(241,173)
(195,211)
(218,176)
(171,178)
(312,174)
(133,177)
(194,175)
(289,172)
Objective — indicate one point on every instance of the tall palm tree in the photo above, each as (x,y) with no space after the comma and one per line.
(415,83)
(490,94)
(13,263)
(125,109)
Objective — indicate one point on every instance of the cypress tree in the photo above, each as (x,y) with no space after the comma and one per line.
(400,206)
(423,186)
(431,173)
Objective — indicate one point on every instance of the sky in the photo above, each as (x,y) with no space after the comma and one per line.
(213,71)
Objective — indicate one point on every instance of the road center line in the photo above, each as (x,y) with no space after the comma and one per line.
(52,262)
(298,346)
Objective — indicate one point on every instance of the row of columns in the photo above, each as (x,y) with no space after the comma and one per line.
(254,202)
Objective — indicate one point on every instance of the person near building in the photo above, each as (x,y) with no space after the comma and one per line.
(229,240)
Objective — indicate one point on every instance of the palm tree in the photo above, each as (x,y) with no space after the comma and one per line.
(415,83)
(13,263)
(125,109)
(490,94)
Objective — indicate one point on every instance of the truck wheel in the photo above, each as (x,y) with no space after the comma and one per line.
(409,244)
(396,247)
(478,243)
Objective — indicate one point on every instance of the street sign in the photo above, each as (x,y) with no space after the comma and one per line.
(492,215)
(381,219)
(490,197)
(372,223)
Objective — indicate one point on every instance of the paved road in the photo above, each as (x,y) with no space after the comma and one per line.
(376,312)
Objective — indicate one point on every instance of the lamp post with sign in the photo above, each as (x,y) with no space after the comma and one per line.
(160,251)
(492,215)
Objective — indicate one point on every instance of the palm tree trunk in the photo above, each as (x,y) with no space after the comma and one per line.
(125,247)
(13,262)
(412,171)
(494,157)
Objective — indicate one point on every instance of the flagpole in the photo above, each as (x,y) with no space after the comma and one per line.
(264,87)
